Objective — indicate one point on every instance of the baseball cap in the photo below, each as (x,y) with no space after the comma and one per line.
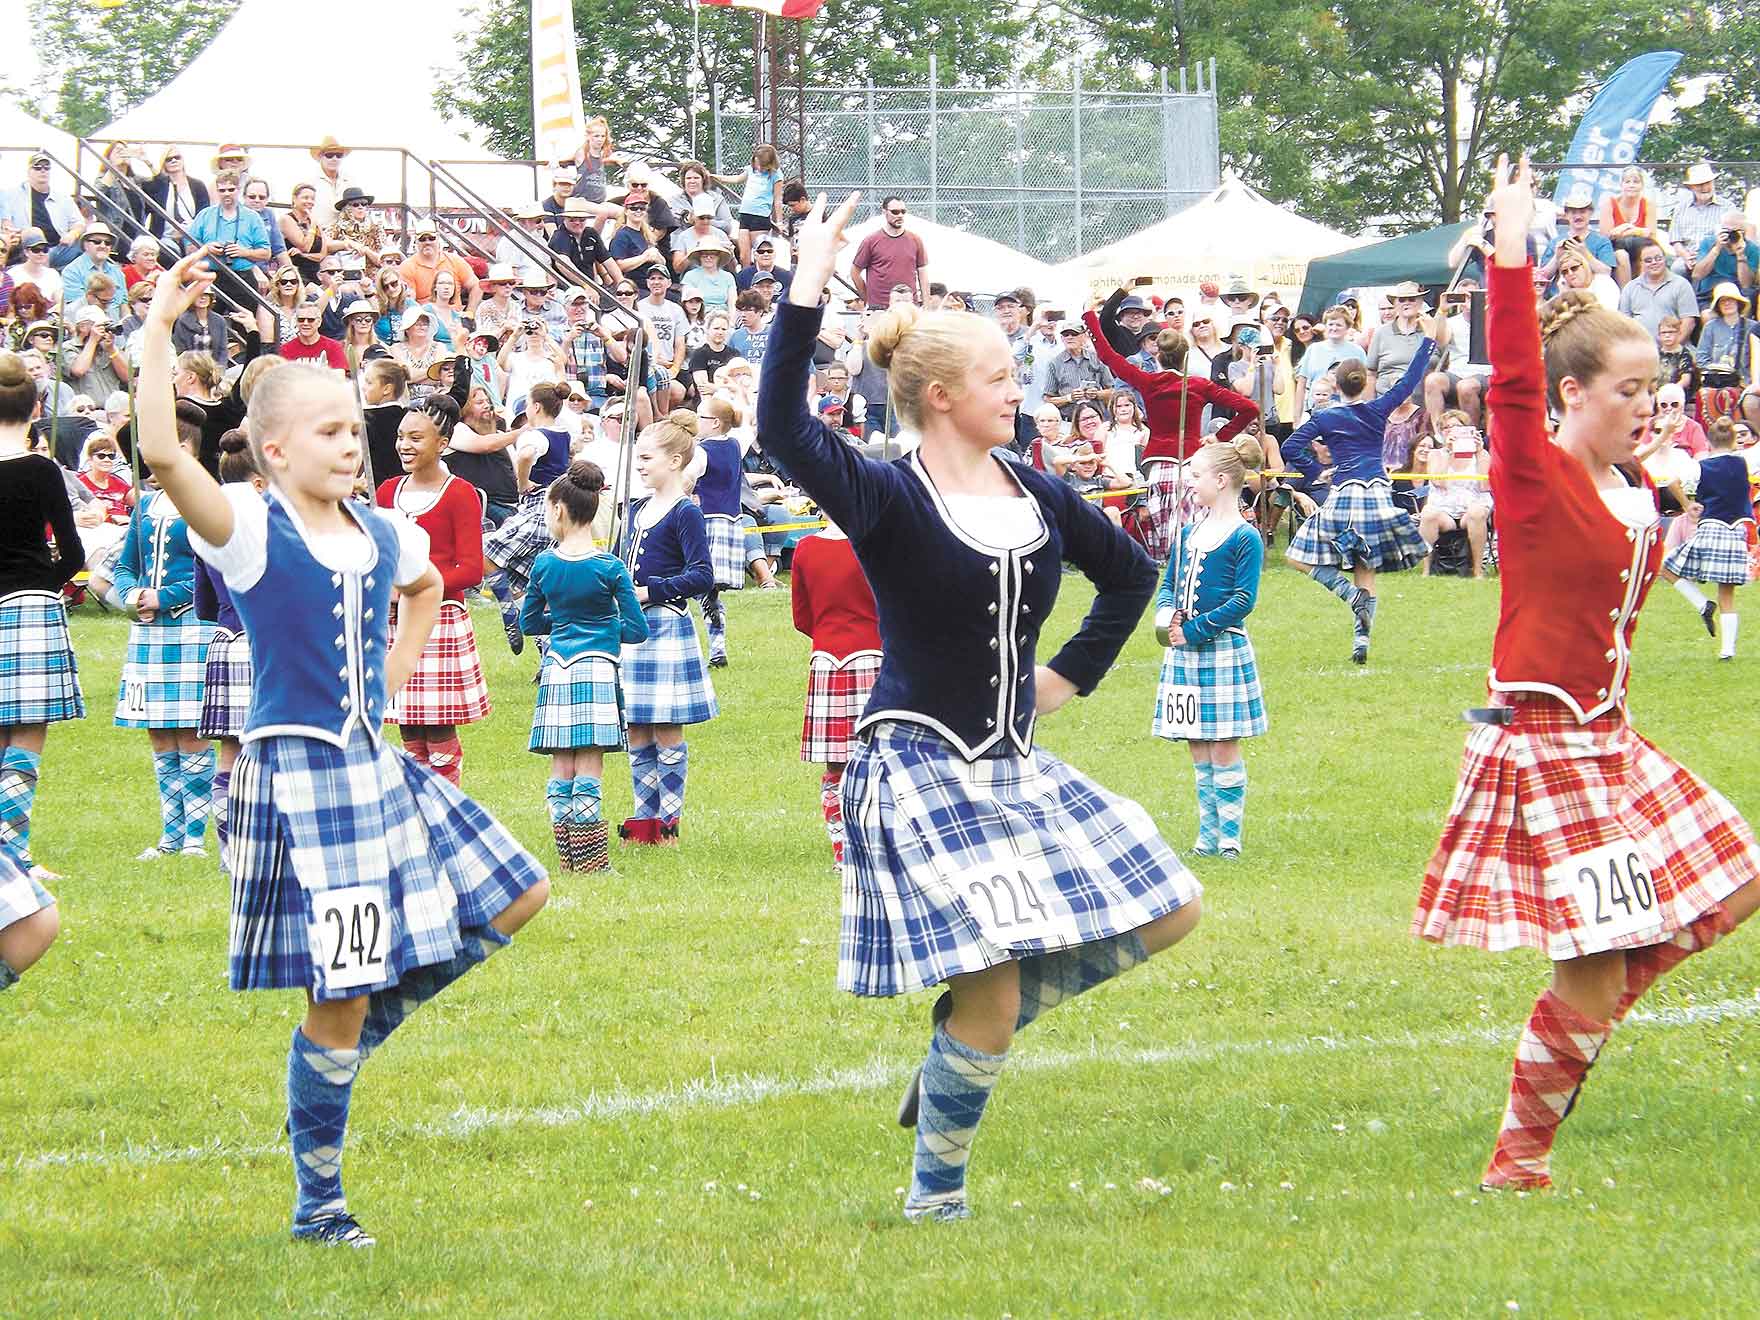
(1007,296)
(702,204)
(1133,304)
(830,403)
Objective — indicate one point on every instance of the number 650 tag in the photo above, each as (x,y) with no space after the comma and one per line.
(1011,900)
(353,932)
(1181,709)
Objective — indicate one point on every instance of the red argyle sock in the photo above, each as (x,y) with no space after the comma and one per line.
(446,758)
(1644,967)
(1554,1055)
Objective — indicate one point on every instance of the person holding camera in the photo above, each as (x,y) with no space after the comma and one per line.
(1727,257)
(93,357)
(1076,375)
(239,240)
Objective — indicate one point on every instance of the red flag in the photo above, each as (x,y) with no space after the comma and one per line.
(775,8)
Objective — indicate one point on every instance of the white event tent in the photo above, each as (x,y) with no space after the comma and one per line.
(375,108)
(971,263)
(21,132)
(1233,231)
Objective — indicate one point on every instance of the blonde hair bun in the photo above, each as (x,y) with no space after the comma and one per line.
(1562,310)
(888,330)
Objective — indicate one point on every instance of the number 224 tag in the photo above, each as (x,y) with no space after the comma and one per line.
(1008,898)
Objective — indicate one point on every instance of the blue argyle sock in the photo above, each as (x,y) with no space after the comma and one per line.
(387,1009)
(557,794)
(218,808)
(956,1083)
(18,792)
(584,805)
(319,1083)
(1047,979)
(168,771)
(674,764)
(1337,582)
(1207,841)
(1231,804)
(644,778)
(198,791)
(715,622)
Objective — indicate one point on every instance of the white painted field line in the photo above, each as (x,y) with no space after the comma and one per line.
(717,1093)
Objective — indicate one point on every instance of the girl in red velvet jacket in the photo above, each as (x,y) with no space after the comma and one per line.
(1569,831)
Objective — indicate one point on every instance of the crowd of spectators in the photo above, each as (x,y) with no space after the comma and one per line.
(316,268)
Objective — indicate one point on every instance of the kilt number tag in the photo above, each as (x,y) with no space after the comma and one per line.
(1612,887)
(1009,898)
(134,699)
(1181,704)
(353,935)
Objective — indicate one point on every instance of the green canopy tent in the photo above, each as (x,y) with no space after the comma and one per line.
(1422,257)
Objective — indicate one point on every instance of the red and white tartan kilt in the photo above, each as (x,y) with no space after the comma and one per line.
(1545,789)
(448,686)
(837,694)
(1155,524)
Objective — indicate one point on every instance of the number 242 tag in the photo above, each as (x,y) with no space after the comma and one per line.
(353,935)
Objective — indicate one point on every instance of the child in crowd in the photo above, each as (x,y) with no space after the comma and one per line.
(583,599)
(227,677)
(542,453)
(1717,551)
(447,688)
(757,202)
(161,688)
(358,876)
(1209,695)
(666,684)
(1675,364)
(834,606)
(718,495)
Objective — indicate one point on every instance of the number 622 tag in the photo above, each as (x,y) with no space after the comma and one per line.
(353,934)
(1011,899)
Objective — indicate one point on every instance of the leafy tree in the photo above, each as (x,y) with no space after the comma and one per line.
(1721,39)
(103,62)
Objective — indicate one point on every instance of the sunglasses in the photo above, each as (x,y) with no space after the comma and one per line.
(427,238)
(1570,270)
(38,247)
(99,242)
(892,212)
(106,454)
(174,160)
(305,320)
(627,293)
(294,284)
(1670,407)
(334,155)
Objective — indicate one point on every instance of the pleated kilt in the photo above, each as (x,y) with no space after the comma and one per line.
(162,675)
(580,705)
(517,543)
(727,550)
(226,685)
(310,818)
(1230,704)
(448,686)
(1360,524)
(837,694)
(39,676)
(1162,476)
(953,866)
(665,680)
(1546,790)
(1716,552)
(20,894)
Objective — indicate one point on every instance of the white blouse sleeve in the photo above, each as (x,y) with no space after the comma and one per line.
(245,555)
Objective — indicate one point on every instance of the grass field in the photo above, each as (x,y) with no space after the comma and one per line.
(656,1103)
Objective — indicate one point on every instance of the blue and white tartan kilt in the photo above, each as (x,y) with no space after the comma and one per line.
(226,685)
(20,894)
(1716,552)
(39,677)
(664,678)
(1360,523)
(161,684)
(727,550)
(917,818)
(309,817)
(1231,704)
(517,543)
(580,705)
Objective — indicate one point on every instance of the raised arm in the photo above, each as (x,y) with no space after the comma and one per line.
(1123,370)
(1416,370)
(181,476)
(1517,396)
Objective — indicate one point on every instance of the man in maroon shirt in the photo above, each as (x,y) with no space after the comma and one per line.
(308,345)
(888,256)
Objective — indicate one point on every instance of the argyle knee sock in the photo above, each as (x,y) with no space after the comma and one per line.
(1229,791)
(18,793)
(446,757)
(956,1082)
(585,797)
(644,778)
(715,620)
(319,1084)
(674,765)
(168,771)
(1556,1051)
(558,802)
(1694,597)
(1209,836)
(831,804)
(415,748)
(1047,979)
(1337,582)
(1644,967)
(387,1009)
(218,807)
(198,791)
(1727,625)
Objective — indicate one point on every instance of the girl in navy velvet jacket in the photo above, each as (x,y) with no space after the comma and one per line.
(1209,694)
(360,878)
(971,856)
(1718,549)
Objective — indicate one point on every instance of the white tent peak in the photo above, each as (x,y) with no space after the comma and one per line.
(970,263)
(24,131)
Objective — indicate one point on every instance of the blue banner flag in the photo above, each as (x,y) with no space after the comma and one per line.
(1612,128)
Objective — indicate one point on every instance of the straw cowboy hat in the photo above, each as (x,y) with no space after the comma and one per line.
(230,151)
(328,143)
(714,241)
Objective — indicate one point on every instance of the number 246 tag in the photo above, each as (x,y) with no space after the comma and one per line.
(1613,887)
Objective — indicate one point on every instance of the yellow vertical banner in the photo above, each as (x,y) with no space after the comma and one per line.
(558,125)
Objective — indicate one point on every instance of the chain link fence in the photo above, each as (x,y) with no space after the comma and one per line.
(1054,173)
